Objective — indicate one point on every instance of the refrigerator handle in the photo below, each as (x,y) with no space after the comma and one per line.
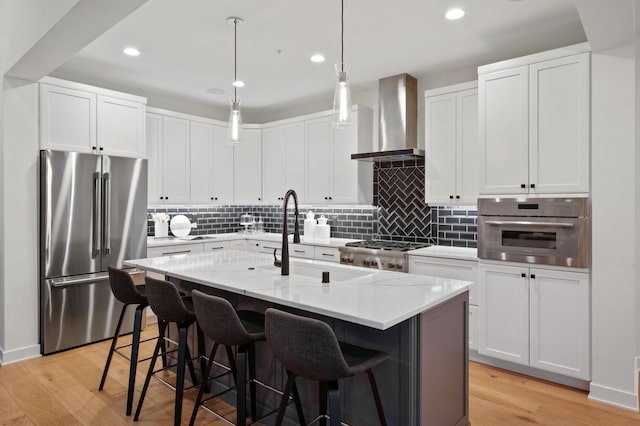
(96,215)
(106,196)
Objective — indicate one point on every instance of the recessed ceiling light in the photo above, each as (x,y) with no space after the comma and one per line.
(317,58)
(453,14)
(238,83)
(215,91)
(131,51)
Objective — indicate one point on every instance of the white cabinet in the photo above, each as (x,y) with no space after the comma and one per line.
(211,164)
(328,254)
(536,317)
(247,168)
(77,117)
(332,176)
(301,250)
(451,129)
(121,127)
(168,158)
(175,249)
(534,125)
(238,244)
(283,168)
(215,246)
(67,119)
(456,269)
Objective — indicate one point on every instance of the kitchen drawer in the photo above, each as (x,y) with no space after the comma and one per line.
(301,250)
(253,245)
(446,268)
(269,246)
(174,249)
(328,254)
(213,246)
(238,244)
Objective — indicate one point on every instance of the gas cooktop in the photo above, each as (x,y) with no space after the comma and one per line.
(388,245)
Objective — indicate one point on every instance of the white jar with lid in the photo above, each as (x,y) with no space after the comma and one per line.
(309,225)
(323,230)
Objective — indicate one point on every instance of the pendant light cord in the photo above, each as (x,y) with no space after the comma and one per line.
(342,35)
(235,59)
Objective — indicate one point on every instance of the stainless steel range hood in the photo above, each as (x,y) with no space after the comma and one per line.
(398,130)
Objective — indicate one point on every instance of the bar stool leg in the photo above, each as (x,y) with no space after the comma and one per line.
(335,414)
(285,397)
(232,364)
(182,360)
(241,386)
(112,349)
(252,383)
(133,363)
(205,378)
(201,356)
(189,362)
(376,397)
(163,347)
(322,393)
(296,400)
(162,326)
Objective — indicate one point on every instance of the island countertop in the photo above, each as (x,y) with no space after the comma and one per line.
(369,297)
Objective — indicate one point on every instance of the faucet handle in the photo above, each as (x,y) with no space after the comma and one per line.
(277,263)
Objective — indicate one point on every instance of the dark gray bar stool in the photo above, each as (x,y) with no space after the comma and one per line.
(171,307)
(128,293)
(308,348)
(242,329)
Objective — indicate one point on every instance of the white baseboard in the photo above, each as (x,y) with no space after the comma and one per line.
(22,354)
(615,397)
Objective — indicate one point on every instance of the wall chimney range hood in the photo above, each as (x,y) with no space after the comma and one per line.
(398,129)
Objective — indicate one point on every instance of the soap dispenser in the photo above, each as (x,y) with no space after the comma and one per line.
(323,230)
(309,225)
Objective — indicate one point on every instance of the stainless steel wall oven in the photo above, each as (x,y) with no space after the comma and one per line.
(552,231)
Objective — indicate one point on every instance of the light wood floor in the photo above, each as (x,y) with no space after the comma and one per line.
(62,389)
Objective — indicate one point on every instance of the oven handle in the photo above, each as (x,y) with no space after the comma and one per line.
(528,223)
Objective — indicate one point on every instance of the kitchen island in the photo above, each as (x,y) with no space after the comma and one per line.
(421,321)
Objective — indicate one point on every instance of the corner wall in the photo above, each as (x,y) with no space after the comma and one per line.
(614,192)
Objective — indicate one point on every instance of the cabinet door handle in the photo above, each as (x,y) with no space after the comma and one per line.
(457,197)
(523,275)
(451,197)
(176,252)
(533,276)
(533,185)
(331,198)
(101,149)
(523,185)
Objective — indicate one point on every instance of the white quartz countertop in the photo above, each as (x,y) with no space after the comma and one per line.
(370,297)
(461,253)
(267,236)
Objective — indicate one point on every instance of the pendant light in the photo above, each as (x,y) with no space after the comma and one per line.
(234,131)
(342,114)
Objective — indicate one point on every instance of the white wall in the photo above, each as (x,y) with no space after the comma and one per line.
(20,221)
(615,246)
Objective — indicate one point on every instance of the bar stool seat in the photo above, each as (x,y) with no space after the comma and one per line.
(308,348)
(128,293)
(228,327)
(170,307)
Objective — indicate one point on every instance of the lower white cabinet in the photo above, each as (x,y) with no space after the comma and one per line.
(238,244)
(458,270)
(214,246)
(171,250)
(536,317)
(328,254)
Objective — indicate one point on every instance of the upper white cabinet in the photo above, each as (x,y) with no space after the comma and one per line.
(536,317)
(168,159)
(534,124)
(332,176)
(211,166)
(451,139)
(247,168)
(283,168)
(77,117)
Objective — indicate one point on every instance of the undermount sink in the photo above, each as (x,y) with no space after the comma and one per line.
(315,271)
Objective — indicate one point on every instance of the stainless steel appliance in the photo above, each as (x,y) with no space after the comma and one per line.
(553,231)
(93,211)
(379,254)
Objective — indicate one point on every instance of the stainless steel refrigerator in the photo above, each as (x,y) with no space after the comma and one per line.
(93,214)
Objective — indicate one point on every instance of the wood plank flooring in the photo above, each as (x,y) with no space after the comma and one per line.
(62,389)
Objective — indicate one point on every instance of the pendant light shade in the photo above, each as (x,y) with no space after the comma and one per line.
(234,130)
(342,112)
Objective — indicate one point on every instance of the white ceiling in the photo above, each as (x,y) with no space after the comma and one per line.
(187,46)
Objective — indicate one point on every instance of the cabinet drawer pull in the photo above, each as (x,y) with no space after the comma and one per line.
(299,251)
(217,248)
(176,252)
(328,254)
(271,248)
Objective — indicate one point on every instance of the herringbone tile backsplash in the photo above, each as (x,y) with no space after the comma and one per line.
(399,193)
